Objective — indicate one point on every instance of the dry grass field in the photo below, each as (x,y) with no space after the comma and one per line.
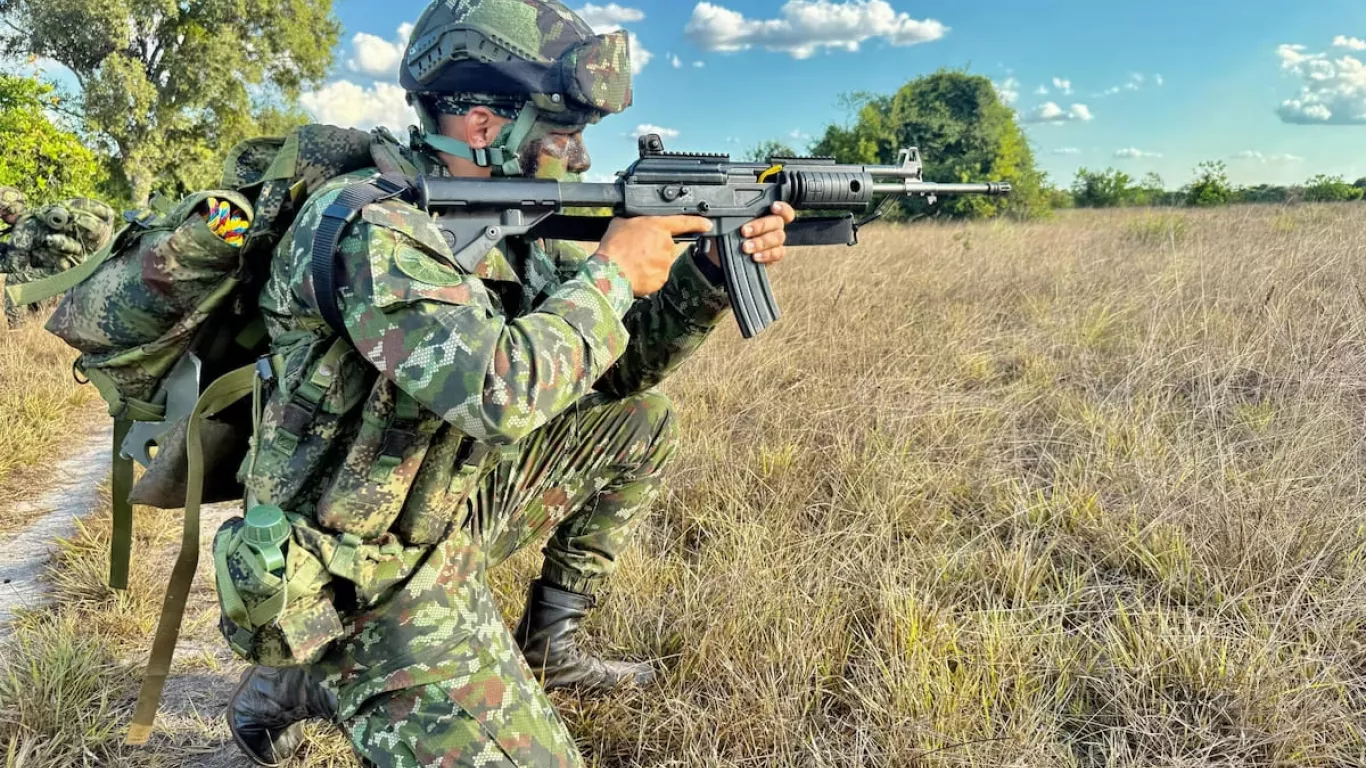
(1088,492)
(41,408)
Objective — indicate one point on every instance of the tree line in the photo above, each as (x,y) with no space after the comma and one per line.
(1111,188)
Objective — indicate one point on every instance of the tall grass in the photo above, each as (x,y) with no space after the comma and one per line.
(1083,493)
(41,406)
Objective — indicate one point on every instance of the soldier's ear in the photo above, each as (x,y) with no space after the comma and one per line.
(482,127)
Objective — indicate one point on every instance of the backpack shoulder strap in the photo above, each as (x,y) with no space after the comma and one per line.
(327,238)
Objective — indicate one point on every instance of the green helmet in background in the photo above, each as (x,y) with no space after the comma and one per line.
(12,202)
(533,62)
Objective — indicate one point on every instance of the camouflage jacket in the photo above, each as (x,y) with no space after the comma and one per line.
(490,356)
(56,238)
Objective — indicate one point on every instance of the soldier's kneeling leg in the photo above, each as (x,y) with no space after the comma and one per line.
(591,474)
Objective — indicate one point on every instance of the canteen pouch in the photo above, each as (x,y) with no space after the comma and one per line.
(276,618)
(289,616)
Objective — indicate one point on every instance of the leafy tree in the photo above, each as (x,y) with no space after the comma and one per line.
(1330,189)
(762,151)
(39,156)
(1211,185)
(964,133)
(169,86)
(1360,183)
(1109,188)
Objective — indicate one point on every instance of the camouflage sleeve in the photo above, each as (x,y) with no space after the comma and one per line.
(435,332)
(13,259)
(666,328)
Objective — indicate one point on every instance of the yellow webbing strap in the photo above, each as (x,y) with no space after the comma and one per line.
(120,485)
(227,390)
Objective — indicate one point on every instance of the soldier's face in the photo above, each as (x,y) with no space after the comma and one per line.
(556,154)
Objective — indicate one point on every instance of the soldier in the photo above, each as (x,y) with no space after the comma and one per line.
(524,387)
(51,239)
(12,203)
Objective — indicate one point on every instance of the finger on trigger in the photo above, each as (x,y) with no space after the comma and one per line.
(684,224)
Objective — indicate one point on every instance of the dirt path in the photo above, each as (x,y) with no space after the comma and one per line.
(75,492)
(190,729)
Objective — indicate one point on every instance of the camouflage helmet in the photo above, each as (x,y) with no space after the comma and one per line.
(12,202)
(534,60)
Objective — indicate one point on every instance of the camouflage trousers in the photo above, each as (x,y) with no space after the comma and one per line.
(433,677)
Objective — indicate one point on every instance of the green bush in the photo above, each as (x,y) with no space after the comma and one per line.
(44,159)
(1330,189)
(1109,188)
(1211,186)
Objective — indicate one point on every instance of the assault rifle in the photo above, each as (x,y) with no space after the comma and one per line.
(474,215)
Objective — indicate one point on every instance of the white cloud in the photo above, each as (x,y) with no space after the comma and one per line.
(675,61)
(798,135)
(374,56)
(647,128)
(1009,91)
(1137,81)
(1066,151)
(1350,43)
(1049,112)
(699,64)
(349,105)
(608,18)
(1063,85)
(1332,91)
(1133,153)
(1041,91)
(805,26)
(1260,157)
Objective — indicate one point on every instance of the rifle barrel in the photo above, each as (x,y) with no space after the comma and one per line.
(933,188)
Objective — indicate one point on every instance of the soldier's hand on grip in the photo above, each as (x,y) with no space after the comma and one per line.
(643,247)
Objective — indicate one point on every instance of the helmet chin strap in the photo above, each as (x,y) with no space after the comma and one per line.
(501,155)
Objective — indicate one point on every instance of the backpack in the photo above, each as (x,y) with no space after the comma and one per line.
(166,319)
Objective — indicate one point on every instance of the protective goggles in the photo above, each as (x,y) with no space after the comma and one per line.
(590,80)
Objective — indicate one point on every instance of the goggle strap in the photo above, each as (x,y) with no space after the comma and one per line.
(498,156)
(456,147)
(521,129)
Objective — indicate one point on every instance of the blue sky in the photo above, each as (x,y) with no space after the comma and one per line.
(1230,87)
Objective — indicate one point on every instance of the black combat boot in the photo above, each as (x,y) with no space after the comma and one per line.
(546,637)
(266,712)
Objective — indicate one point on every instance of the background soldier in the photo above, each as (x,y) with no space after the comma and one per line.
(12,203)
(50,239)
(523,387)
